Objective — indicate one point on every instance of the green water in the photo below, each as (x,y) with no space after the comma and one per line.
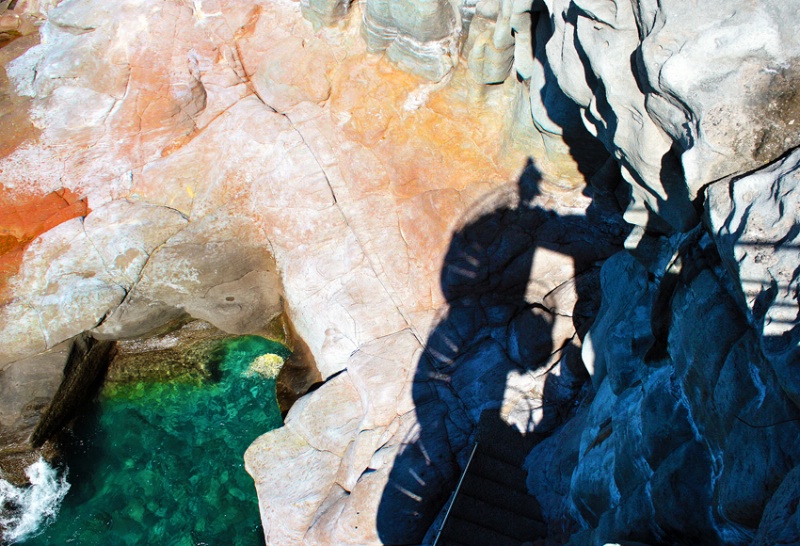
(161,463)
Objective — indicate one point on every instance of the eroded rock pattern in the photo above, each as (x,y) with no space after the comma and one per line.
(407,180)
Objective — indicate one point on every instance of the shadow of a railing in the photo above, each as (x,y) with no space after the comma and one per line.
(497,339)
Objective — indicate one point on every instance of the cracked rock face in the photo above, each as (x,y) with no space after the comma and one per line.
(681,95)
(407,180)
(210,174)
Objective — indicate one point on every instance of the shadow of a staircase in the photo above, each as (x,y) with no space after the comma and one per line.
(491,504)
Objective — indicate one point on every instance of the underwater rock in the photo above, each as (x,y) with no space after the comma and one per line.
(267,366)
(187,352)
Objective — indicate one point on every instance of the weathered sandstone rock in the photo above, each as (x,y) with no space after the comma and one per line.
(211,276)
(67,290)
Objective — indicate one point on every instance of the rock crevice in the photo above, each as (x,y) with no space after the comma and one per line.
(433,193)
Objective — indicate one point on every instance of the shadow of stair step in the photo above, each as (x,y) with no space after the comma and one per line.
(464,532)
(498,519)
(499,495)
(512,451)
(449,542)
(498,471)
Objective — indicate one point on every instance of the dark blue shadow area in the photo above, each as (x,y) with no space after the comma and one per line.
(491,328)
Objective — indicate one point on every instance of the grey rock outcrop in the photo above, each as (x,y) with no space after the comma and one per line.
(689,433)
(681,95)
(755,222)
(422,36)
(26,389)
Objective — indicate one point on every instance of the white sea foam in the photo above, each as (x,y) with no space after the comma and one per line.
(26,511)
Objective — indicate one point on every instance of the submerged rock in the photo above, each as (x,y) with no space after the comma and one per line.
(267,366)
(187,353)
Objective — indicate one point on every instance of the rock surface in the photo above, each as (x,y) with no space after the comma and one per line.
(680,95)
(26,386)
(710,404)
(407,181)
(754,220)
(183,353)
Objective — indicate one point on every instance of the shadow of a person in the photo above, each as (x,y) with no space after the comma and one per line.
(494,343)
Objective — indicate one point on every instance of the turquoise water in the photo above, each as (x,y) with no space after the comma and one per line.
(161,463)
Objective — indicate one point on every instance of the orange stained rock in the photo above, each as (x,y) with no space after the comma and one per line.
(426,137)
(25,217)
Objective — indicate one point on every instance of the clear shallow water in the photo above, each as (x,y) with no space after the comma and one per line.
(161,463)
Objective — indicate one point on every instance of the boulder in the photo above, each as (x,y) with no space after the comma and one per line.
(26,388)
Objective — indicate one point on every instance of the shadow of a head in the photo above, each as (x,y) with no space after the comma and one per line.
(529,182)
(487,356)
(490,253)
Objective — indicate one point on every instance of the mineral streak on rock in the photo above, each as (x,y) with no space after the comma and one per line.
(23,218)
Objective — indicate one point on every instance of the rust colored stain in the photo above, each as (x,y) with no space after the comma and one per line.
(23,218)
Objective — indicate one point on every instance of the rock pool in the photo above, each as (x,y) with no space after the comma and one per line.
(161,462)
